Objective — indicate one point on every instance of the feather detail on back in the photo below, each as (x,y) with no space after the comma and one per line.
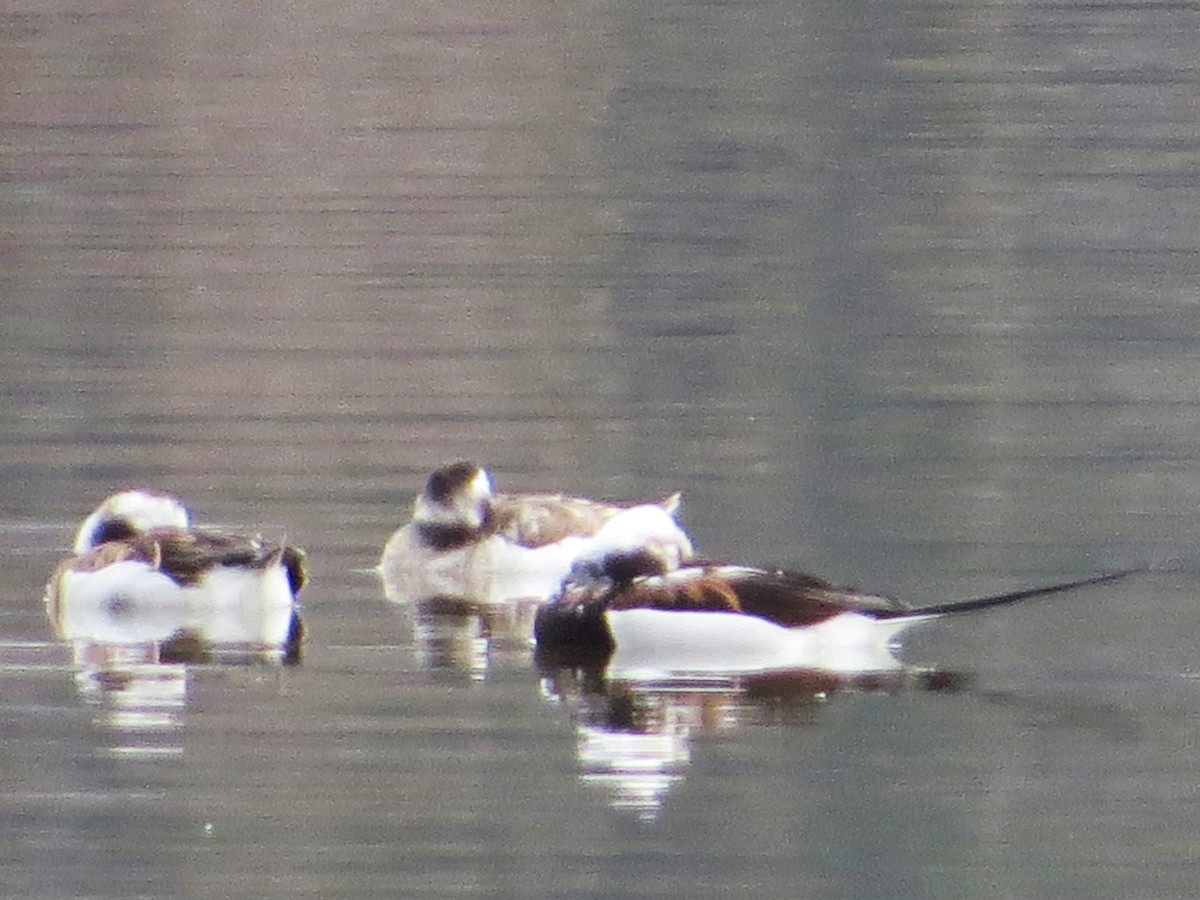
(535,520)
(185,556)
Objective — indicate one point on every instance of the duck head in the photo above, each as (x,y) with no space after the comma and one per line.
(128,513)
(639,541)
(456,496)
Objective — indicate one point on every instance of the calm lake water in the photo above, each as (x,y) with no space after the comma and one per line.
(902,293)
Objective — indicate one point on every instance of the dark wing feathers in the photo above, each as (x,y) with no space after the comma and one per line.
(186,555)
(791,599)
(703,593)
(794,599)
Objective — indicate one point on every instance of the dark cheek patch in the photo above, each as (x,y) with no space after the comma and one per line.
(446,537)
(112,530)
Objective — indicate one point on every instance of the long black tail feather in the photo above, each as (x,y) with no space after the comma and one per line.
(1009,597)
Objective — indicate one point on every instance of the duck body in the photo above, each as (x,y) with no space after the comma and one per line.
(489,569)
(136,572)
(731,619)
(467,542)
(716,617)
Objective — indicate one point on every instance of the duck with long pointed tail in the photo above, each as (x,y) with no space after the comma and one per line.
(139,551)
(635,609)
(470,543)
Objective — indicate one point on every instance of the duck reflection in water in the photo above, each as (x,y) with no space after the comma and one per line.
(634,738)
(472,565)
(146,593)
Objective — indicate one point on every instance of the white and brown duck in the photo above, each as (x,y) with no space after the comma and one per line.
(636,611)
(468,543)
(139,550)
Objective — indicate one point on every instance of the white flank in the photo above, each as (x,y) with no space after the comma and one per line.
(663,643)
(125,582)
(129,602)
(491,571)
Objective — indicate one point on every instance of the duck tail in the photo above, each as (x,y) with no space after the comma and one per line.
(292,561)
(1007,598)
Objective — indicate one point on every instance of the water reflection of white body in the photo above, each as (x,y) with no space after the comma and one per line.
(633,738)
(131,657)
(641,745)
(462,637)
(457,633)
(463,604)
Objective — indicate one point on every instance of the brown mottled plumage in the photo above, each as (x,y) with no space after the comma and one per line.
(535,520)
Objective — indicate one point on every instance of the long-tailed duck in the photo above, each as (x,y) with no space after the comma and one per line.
(139,548)
(632,610)
(468,544)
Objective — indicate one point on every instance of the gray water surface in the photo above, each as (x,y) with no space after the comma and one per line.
(900,293)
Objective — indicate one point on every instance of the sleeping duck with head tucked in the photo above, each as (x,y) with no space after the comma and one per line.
(139,549)
(468,542)
(642,610)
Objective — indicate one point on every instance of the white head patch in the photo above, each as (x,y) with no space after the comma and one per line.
(140,510)
(647,530)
